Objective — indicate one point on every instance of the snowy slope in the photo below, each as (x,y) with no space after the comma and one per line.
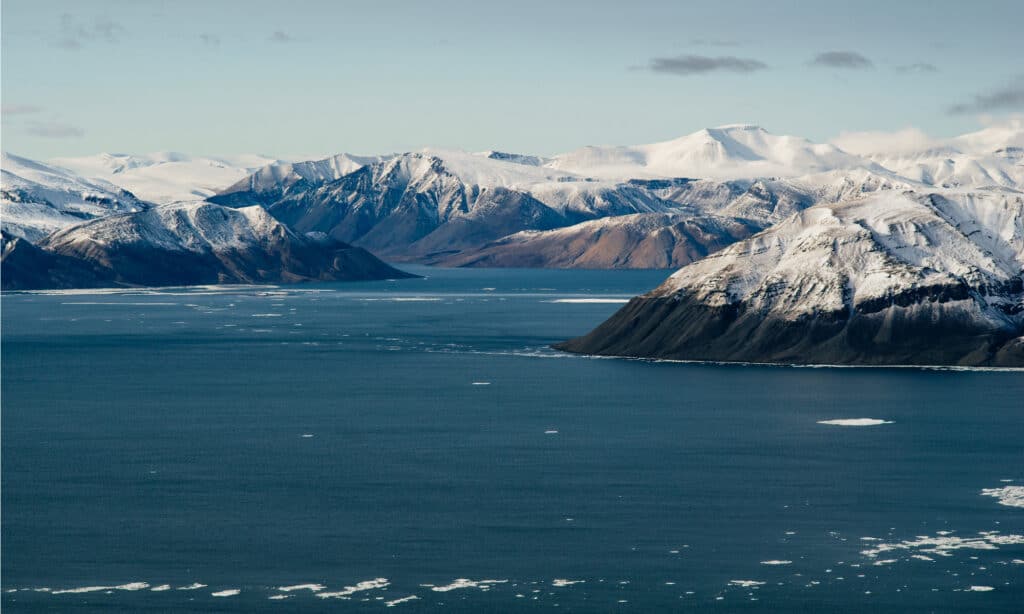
(890,278)
(37,199)
(165,177)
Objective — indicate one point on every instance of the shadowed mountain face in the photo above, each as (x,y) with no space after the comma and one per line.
(198,243)
(887,279)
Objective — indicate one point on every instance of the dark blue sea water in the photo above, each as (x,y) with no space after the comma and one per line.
(421,432)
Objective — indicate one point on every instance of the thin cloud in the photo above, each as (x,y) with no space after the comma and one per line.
(210,39)
(918,67)
(715,42)
(842,59)
(54,130)
(904,141)
(1008,98)
(280,36)
(19,109)
(700,64)
(75,34)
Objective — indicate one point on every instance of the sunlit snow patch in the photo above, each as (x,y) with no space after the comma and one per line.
(855,422)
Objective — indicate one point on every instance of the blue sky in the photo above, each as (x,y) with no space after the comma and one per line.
(304,78)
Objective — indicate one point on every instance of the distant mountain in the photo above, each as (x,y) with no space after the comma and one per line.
(727,152)
(184,244)
(165,177)
(37,199)
(274,181)
(637,241)
(890,278)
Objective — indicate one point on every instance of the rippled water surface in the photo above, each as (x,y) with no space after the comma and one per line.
(414,444)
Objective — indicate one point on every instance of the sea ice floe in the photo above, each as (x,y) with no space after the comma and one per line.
(481,383)
(981,589)
(776,562)
(1012,496)
(855,422)
(943,545)
(161,588)
(400,601)
(466,583)
(279,597)
(563,582)
(551,432)
(366,585)
(131,586)
(302,587)
(192,587)
(746,583)
(230,592)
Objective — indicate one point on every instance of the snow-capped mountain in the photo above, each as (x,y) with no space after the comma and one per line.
(415,205)
(726,152)
(890,278)
(165,177)
(37,199)
(273,181)
(993,156)
(184,244)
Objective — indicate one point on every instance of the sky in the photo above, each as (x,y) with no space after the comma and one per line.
(306,78)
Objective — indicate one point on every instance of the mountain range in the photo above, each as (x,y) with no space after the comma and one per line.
(791,251)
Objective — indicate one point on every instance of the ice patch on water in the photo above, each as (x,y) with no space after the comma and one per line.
(980,589)
(366,585)
(400,601)
(588,301)
(231,592)
(192,587)
(302,587)
(746,583)
(307,435)
(267,315)
(404,299)
(855,422)
(1012,496)
(944,545)
(131,586)
(466,583)
(481,383)
(551,432)
(777,562)
(279,597)
(563,582)
(161,588)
